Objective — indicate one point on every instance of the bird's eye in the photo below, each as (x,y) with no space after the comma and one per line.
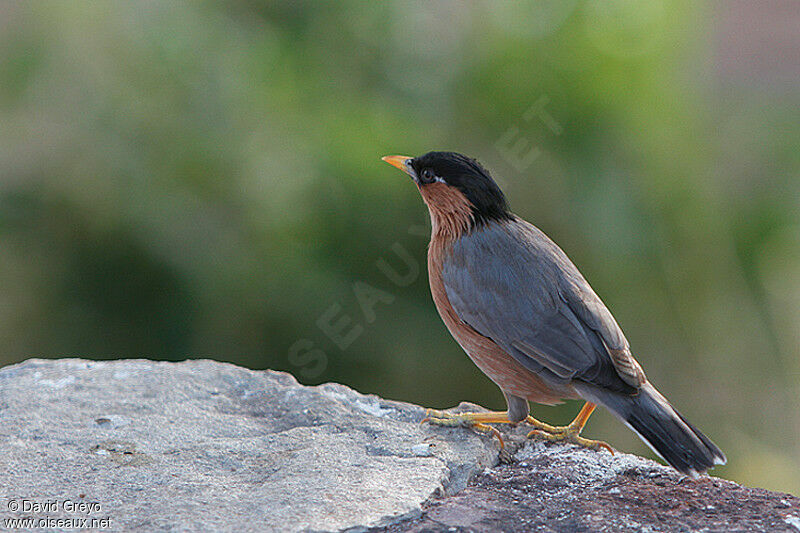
(428,175)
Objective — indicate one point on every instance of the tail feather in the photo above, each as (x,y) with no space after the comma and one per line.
(665,430)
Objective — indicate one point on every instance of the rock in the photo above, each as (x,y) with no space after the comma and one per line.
(568,489)
(202,445)
(207,446)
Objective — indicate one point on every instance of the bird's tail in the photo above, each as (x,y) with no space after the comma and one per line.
(663,428)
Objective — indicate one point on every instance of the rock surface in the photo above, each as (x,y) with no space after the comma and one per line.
(565,489)
(207,446)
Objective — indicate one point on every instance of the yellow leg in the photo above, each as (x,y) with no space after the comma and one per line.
(571,432)
(481,421)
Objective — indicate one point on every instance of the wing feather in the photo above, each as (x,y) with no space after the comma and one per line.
(511,283)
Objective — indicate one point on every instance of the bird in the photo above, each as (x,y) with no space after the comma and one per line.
(527,317)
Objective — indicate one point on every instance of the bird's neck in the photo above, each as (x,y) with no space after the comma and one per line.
(451,212)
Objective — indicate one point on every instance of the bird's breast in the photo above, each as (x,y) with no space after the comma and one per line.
(493,361)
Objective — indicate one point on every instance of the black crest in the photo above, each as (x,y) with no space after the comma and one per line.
(469,177)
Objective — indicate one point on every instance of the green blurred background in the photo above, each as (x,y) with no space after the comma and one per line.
(202,179)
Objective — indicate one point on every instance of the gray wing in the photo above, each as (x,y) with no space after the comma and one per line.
(511,283)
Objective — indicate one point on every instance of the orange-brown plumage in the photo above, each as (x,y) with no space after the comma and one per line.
(451,215)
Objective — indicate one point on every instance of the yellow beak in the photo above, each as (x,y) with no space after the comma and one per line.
(399,161)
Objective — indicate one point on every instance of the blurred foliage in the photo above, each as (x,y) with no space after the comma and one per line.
(190,179)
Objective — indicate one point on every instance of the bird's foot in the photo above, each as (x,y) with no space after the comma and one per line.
(480,421)
(477,421)
(570,433)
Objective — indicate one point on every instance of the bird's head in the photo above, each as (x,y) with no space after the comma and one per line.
(459,192)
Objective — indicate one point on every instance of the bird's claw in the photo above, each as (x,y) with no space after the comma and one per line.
(572,435)
(505,456)
(468,420)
